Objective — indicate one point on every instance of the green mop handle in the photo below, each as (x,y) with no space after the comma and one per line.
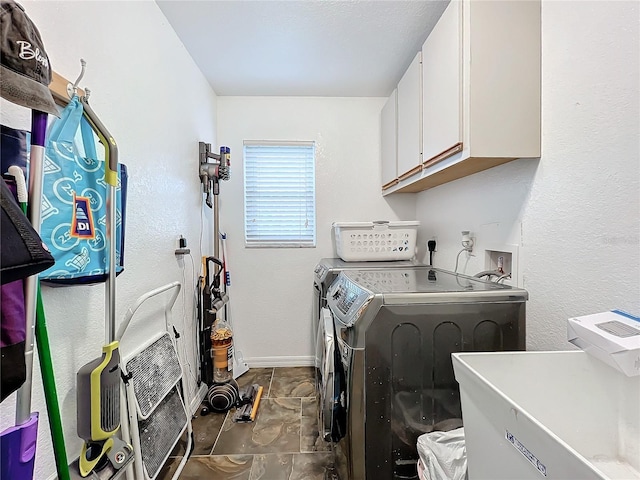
(50,393)
(44,353)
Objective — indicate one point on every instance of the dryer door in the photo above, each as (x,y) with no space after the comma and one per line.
(332,416)
(325,374)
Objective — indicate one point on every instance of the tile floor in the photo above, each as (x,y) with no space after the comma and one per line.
(282,443)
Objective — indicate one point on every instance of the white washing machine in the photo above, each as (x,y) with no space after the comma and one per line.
(387,336)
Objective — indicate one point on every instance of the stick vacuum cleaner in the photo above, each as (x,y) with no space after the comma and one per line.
(98,382)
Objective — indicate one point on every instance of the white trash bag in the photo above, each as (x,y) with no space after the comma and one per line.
(443,455)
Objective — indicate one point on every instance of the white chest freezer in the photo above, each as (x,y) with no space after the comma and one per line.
(555,415)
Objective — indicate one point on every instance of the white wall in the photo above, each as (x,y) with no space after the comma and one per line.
(272,289)
(156,103)
(574,213)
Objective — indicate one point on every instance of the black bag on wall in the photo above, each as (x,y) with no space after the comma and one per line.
(21,254)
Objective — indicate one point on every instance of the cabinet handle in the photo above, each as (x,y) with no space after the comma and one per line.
(442,155)
(390,184)
(410,173)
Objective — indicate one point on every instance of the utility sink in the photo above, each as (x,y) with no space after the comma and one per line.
(556,415)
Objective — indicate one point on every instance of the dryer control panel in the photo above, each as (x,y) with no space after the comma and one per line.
(320,272)
(347,300)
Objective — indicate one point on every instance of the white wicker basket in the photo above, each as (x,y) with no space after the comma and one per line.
(375,241)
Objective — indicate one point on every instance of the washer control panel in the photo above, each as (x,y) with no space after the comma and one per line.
(347,300)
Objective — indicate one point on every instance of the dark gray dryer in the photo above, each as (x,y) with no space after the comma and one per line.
(326,271)
(324,274)
(394,331)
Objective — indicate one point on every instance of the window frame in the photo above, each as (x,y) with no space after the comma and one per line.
(302,241)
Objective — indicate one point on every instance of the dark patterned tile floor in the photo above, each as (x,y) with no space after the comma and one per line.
(282,443)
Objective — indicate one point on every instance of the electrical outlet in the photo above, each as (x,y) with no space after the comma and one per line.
(467,241)
(182,250)
(432,239)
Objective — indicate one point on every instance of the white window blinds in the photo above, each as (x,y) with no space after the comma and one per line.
(279,194)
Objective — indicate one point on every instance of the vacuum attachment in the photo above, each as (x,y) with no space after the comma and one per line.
(248,404)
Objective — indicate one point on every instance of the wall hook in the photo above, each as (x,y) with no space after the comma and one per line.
(73,89)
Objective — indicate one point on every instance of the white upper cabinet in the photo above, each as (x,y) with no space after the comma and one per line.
(502,70)
(389,139)
(442,84)
(410,119)
(480,103)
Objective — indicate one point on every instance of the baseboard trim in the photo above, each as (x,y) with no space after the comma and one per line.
(198,398)
(266,362)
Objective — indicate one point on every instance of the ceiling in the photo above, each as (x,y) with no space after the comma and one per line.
(337,48)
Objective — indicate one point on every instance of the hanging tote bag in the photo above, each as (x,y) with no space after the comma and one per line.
(74,208)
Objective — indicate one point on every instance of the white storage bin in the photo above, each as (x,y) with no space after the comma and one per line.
(375,241)
(548,415)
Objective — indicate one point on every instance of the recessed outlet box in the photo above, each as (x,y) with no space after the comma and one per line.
(500,261)
(503,258)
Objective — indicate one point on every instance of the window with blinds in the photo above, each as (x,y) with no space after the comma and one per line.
(279,194)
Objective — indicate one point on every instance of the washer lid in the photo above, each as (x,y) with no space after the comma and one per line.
(339,264)
(426,284)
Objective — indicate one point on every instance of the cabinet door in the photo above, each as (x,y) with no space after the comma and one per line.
(442,84)
(389,139)
(410,118)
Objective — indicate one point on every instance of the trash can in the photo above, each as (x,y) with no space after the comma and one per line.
(443,455)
